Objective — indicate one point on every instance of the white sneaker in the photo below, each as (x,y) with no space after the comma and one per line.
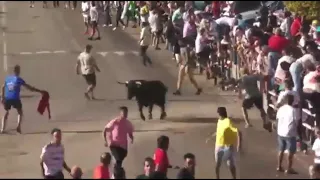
(124,27)
(110,25)
(104,25)
(114,28)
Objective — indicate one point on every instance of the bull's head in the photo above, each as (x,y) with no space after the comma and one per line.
(132,87)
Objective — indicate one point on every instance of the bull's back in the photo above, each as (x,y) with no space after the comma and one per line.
(152,92)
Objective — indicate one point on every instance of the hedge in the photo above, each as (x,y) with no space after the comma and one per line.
(310,9)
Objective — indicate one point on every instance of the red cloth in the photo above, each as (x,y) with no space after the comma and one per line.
(44,104)
(277,43)
(295,26)
(160,158)
(101,172)
(216,9)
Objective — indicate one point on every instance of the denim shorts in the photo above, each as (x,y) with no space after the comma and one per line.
(287,143)
(225,153)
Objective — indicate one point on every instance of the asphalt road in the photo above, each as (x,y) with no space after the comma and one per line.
(46,42)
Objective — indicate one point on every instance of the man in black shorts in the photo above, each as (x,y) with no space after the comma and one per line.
(253,96)
(10,96)
(87,64)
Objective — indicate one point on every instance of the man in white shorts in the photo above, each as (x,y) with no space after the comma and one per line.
(85,6)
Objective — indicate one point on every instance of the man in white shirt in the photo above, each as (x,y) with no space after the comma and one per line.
(52,158)
(280,73)
(287,133)
(87,64)
(144,43)
(85,7)
(154,22)
(94,17)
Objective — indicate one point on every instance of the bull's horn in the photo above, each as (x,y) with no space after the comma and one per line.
(138,82)
(122,82)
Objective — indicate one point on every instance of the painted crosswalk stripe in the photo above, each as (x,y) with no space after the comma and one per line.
(57,52)
(43,52)
(103,53)
(135,53)
(25,53)
(120,53)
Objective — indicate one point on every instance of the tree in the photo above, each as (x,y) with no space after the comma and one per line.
(310,9)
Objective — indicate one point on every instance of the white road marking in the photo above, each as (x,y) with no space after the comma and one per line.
(4,23)
(120,53)
(135,53)
(61,51)
(43,52)
(25,53)
(104,54)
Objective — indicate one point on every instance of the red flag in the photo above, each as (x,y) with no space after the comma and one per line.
(44,104)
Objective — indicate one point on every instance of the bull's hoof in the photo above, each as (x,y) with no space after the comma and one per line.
(143,118)
(163,115)
(150,116)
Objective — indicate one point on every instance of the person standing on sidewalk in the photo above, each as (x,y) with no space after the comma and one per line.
(144,43)
(118,16)
(287,133)
(85,7)
(107,12)
(52,157)
(87,64)
(117,132)
(94,18)
(10,96)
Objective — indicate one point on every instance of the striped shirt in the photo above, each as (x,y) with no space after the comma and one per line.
(53,159)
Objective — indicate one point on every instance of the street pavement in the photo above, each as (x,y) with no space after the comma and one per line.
(46,42)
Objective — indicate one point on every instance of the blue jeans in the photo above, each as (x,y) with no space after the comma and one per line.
(287,143)
(273,58)
(225,153)
(296,71)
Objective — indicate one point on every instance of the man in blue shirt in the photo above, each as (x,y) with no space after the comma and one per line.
(10,96)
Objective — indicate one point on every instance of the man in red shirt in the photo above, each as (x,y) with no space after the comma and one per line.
(102,170)
(216,9)
(296,25)
(276,43)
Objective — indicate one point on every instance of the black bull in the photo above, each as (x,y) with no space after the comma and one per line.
(147,93)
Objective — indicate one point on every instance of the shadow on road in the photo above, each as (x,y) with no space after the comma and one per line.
(11,132)
(212,120)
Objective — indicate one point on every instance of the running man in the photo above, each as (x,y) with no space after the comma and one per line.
(117,132)
(228,142)
(10,96)
(88,66)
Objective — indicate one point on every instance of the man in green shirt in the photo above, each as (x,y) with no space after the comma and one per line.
(149,168)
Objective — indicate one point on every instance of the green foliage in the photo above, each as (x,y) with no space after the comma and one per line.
(310,9)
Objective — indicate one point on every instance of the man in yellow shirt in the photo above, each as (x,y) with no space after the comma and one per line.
(228,141)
